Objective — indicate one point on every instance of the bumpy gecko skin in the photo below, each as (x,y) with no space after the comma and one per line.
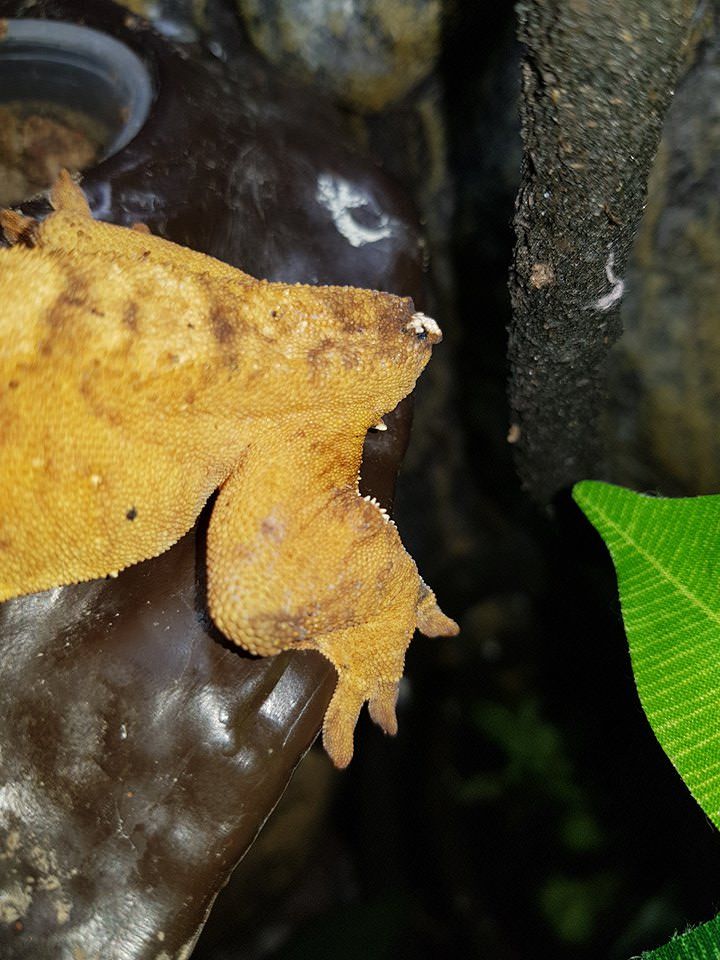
(137,377)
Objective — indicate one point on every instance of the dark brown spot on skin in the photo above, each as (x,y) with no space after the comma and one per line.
(113,417)
(74,295)
(279,630)
(319,352)
(349,322)
(131,514)
(222,326)
(14,384)
(224,310)
(130,315)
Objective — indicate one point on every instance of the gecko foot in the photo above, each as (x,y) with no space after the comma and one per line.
(369,662)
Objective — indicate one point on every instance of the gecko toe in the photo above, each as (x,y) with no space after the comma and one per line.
(430,619)
(17,228)
(382,705)
(340,720)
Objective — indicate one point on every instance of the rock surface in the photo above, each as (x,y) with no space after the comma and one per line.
(367,54)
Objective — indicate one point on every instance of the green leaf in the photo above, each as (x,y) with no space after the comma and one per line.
(702,943)
(667,557)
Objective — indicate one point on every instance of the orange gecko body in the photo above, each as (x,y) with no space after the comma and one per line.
(137,377)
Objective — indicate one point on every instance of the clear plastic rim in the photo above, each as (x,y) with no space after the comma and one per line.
(80,68)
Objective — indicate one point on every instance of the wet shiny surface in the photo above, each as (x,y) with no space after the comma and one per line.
(139,752)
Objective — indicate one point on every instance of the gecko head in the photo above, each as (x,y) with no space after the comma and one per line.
(399,342)
(374,343)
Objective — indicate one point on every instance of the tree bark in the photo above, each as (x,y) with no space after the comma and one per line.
(597,78)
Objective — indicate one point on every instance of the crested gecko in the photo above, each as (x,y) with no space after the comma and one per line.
(138,377)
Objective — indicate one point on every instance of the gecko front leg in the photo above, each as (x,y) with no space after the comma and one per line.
(297,559)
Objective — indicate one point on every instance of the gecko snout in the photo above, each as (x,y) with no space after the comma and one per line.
(424,328)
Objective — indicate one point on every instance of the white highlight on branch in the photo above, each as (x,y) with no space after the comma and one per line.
(618,287)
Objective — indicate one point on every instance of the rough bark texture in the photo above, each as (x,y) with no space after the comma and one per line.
(665,373)
(597,79)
